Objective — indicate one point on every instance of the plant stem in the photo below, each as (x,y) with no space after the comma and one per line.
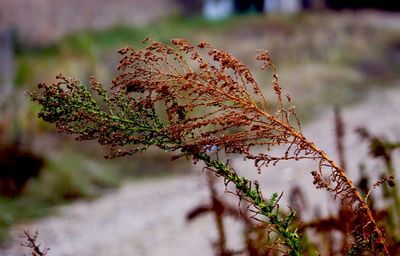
(253,195)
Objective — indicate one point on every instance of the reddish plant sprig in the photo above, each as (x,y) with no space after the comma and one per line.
(187,99)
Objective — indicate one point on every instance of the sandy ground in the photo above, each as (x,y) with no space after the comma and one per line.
(148,217)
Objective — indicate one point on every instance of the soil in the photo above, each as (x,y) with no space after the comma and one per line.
(148,217)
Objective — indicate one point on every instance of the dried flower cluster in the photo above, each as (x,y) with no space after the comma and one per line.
(190,100)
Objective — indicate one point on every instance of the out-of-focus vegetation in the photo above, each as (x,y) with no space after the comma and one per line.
(324,59)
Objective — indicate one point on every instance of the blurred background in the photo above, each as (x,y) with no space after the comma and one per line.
(328,53)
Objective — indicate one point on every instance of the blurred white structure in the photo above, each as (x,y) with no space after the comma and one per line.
(7,65)
(217,9)
(282,6)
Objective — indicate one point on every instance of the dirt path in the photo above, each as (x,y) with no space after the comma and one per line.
(148,218)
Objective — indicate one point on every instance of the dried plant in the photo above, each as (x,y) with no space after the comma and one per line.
(339,135)
(334,232)
(190,100)
(383,149)
(220,209)
(33,245)
(257,239)
(384,180)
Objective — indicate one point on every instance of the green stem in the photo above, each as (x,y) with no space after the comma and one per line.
(253,194)
(394,210)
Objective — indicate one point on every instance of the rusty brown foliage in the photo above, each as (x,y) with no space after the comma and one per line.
(191,99)
(335,233)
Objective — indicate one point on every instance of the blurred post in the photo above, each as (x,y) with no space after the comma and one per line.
(7,65)
(316,5)
(190,7)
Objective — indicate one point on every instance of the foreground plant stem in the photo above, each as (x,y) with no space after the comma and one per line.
(253,195)
(204,104)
